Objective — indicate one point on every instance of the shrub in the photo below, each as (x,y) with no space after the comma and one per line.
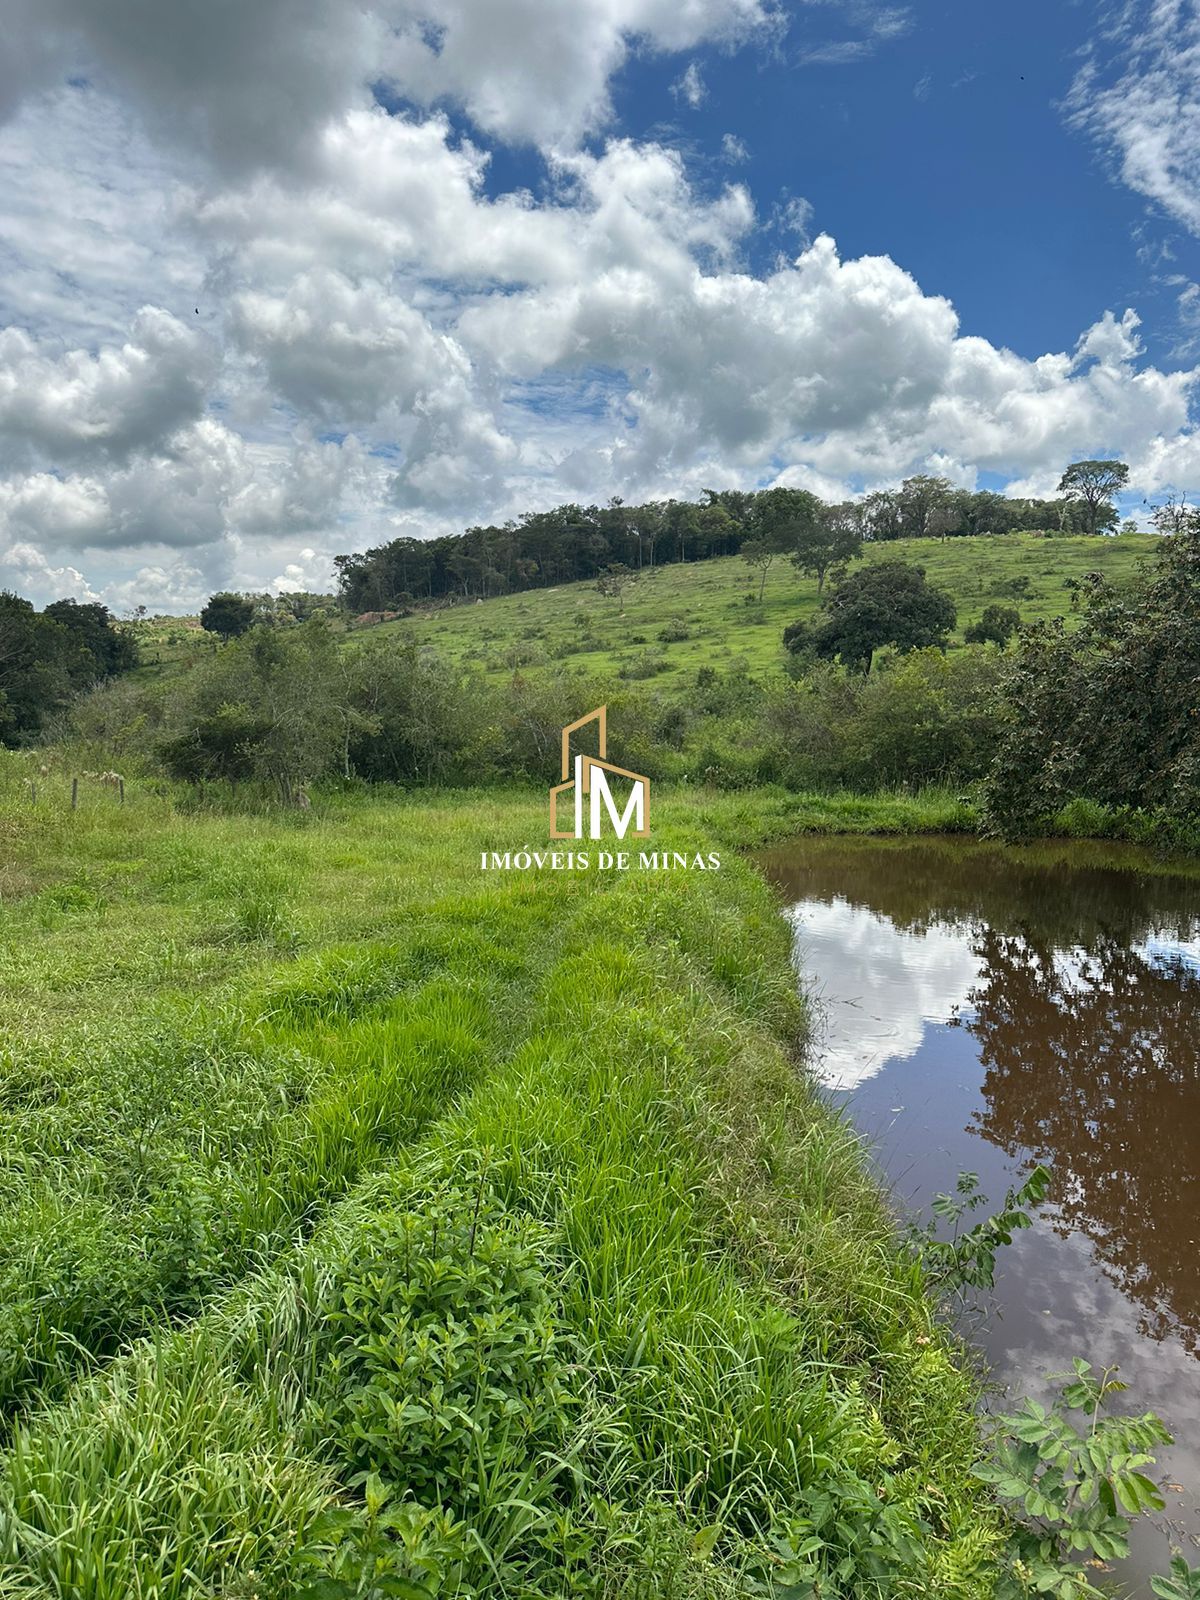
(797,638)
(646,665)
(446,1375)
(1012,588)
(1107,712)
(996,626)
(927,718)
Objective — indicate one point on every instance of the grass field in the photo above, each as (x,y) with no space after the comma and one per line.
(168,643)
(703,610)
(365,1217)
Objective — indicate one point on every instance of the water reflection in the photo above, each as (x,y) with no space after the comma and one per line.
(1091,1064)
(878,988)
(985,1009)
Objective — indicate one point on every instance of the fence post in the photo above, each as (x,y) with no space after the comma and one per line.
(33,793)
(121,790)
(74,793)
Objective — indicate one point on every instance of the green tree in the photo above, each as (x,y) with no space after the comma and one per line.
(409,720)
(1095,484)
(760,554)
(985,512)
(777,514)
(996,626)
(927,507)
(274,705)
(229,615)
(776,520)
(91,626)
(831,538)
(1107,712)
(41,662)
(888,602)
(883,515)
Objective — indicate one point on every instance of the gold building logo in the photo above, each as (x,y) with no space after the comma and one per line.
(586,779)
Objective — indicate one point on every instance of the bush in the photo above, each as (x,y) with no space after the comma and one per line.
(927,718)
(646,665)
(797,638)
(1012,588)
(1107,712)
(446,1374)
(996,626)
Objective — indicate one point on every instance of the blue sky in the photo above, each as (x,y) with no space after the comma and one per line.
(284,280)
(944,146)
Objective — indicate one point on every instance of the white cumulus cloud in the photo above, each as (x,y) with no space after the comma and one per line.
(118,399)
(252,318)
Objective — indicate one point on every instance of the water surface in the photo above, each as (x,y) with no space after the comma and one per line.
(983,1009)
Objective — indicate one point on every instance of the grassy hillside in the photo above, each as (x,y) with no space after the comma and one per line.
(365,1213)
(704,611)
(166,643)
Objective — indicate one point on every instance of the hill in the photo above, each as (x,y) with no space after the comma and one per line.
(670,622)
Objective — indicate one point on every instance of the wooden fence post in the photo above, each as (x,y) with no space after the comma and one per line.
(33,794)
(74,794)
(121,790)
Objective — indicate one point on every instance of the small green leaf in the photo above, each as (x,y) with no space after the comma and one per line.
(704,1541)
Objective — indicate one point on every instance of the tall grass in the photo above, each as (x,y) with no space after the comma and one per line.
(173,1169)
(542,1270)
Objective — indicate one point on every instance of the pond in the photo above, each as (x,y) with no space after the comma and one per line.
(983,1009)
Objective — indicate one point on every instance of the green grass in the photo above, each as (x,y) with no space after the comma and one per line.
(363,1210)
(708,601)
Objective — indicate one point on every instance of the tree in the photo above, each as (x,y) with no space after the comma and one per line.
(274,705)
(775,514)
(996,626)
(1108,712)
(46,657)
(776,520)
(612,580)
(1174,515)
(830,539)
(927,508)
(228,615)
(409,719)
(882,514)
(38,662)
(760,553)
(1094,484)
(985,512)
(888,602)
(91,626)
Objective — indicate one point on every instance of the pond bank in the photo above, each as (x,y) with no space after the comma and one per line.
(986,1009)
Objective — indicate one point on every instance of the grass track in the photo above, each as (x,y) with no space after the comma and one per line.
(605,1063)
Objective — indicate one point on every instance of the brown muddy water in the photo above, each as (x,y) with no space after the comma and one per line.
(983,1009)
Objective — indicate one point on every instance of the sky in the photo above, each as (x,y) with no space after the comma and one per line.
(288,279)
